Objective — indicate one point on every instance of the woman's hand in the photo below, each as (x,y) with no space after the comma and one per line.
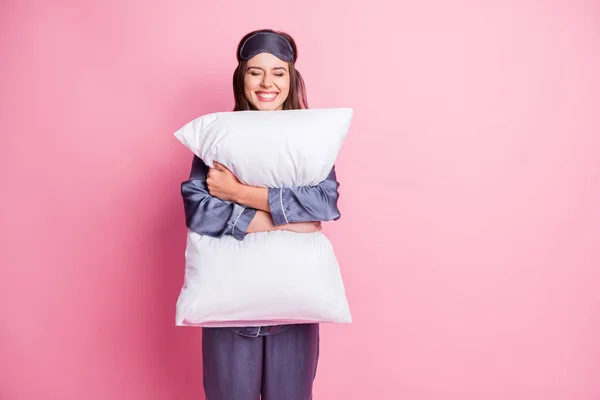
(262,222)
(302,227)
(222,183)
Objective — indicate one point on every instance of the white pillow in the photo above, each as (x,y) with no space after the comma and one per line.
(269,278)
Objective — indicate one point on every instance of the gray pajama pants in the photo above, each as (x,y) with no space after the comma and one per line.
(281,366)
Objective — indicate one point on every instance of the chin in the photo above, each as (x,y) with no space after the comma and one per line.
(269,107)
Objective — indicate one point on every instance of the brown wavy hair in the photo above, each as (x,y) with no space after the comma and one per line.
(297,96)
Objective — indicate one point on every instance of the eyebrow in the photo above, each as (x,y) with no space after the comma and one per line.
(274,68)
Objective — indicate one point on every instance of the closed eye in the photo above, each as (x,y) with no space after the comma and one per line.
(254,71)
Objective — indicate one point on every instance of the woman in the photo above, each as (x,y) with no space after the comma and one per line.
(275,362)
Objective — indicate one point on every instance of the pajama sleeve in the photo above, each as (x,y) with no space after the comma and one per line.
(209,215)
(306,203)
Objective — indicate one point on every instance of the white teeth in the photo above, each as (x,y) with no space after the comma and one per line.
(267,96)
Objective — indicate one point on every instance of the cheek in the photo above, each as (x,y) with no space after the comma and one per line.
(285,87)
(249,84)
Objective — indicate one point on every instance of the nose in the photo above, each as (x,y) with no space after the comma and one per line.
(267,82)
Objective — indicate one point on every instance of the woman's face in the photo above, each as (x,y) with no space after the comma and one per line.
(267,82)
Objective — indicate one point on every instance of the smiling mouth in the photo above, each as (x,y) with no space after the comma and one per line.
(266,96)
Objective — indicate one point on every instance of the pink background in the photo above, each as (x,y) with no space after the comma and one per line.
(470,193)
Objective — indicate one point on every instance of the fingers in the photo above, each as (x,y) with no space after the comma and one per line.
(213,173)
(305,227)
(220,167)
